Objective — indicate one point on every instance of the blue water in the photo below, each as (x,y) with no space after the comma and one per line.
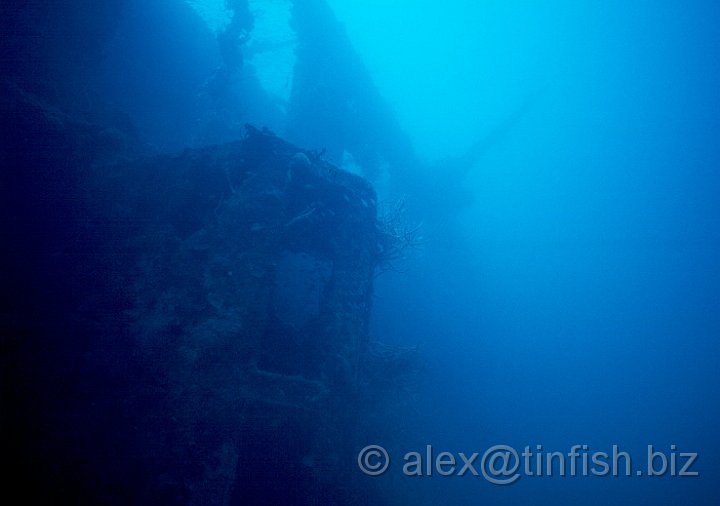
(580,303)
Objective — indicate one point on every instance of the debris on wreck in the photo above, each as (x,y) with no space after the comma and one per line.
(217,301)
